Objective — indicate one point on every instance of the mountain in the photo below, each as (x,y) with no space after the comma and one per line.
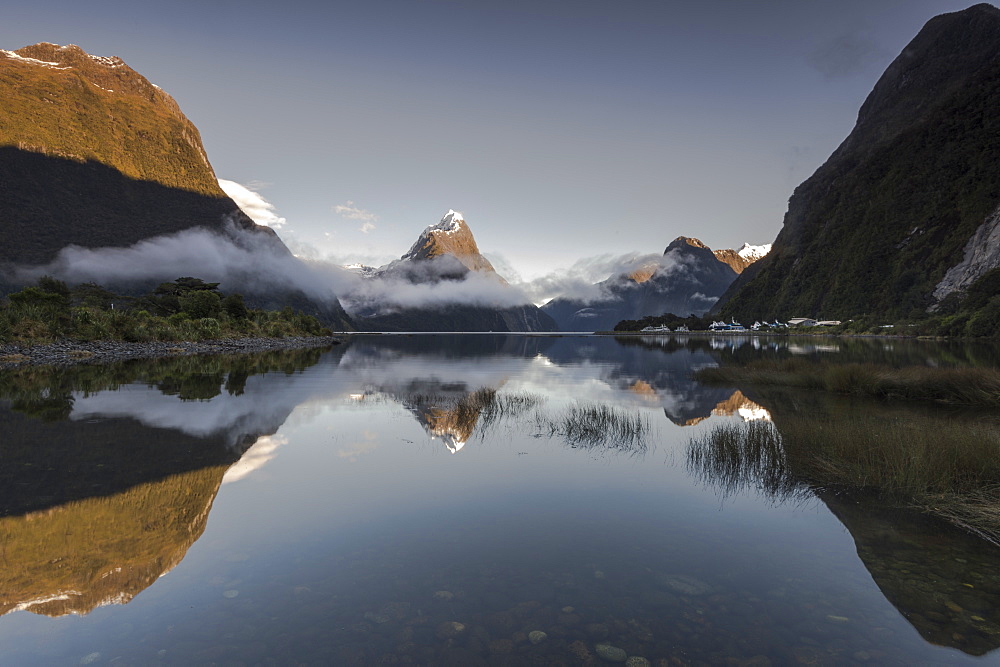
(445,255)
(687,281)
(94,155)
(450,237)
(738,260)
(905,211)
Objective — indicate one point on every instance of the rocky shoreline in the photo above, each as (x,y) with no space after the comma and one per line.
(66,353)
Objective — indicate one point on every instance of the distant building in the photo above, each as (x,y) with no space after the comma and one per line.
(802,322)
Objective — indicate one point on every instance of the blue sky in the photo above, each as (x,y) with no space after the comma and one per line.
(561,130)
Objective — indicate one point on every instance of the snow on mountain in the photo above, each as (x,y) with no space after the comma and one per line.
(449,224)
(753,252)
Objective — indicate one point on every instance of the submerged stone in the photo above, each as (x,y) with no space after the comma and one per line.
(683,584)
(637,661)
(537,636)
(449,630)
(611,653)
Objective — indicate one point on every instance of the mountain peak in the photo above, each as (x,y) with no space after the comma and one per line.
(62,101)
(948,52)
(450,236)
(738,260)
(753,252)
(682,241)
(450,221)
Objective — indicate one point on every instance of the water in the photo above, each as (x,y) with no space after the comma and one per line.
(424,500)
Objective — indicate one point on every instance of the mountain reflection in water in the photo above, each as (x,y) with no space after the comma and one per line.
(109,473)
(942,579)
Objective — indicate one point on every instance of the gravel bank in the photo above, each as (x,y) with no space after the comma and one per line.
(68,352)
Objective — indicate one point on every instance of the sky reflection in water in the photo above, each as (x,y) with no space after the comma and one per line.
(366,511)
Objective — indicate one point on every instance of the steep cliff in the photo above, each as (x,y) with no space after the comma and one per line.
(879,226)
(94,155)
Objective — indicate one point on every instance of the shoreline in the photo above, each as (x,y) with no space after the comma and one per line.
(69,353)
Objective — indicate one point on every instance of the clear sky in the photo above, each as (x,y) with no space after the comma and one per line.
(561,129)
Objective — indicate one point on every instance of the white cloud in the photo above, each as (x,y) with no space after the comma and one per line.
(259,209)
(350,212)
(580,281)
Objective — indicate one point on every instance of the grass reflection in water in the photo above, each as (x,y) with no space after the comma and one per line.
(948,467)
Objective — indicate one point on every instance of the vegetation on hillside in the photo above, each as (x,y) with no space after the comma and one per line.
(187,309)
(872,234)
(973,313)
(88,111)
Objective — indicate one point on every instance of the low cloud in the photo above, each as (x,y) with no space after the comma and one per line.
(247,263)
(580,281)
(238,260)
(351,212)
(259,209)
(256,265)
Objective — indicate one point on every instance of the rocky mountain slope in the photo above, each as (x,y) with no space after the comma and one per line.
(903,212)
(738,260)
(94,155)
(687,281)
(444,253)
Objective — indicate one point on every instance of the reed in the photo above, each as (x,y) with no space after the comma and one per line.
(949,468)
(742,457)
(599,426)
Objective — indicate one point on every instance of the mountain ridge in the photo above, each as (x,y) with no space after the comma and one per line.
(445,252)
(686,280)
(877,227)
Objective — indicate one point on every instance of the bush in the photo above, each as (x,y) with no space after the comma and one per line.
(986,322)
(234,306)
(201,304)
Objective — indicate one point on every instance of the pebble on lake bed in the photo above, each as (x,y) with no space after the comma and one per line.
(537,636)
(444,595)
(637,661)
(611,653)
(231,593)
(449,630)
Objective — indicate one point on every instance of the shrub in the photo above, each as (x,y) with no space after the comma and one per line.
(234,307)
(201,304)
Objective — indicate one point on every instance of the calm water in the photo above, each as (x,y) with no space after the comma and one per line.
(438,499)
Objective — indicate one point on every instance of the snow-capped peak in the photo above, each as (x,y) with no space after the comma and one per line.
(753,252)
(449,223)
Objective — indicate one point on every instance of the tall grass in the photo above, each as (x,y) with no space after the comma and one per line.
(960,386)
(738,457)
(599,426)
(949,468)
(589,426)
(495,407)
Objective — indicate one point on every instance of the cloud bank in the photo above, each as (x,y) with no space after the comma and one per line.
(580,281)
(243,262)
(259,209)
